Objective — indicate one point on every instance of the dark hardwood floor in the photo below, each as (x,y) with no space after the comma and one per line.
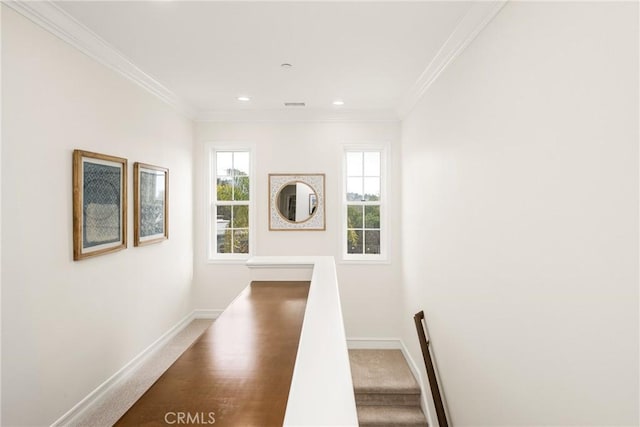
(239,371)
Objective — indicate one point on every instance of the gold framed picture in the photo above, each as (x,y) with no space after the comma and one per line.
(99,204)
(150,204)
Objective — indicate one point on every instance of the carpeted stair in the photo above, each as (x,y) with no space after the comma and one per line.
(387,394)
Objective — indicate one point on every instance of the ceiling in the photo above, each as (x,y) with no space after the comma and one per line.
(367,54)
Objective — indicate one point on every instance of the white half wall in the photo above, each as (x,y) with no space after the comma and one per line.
(520,219)
(68,326)
(369,293)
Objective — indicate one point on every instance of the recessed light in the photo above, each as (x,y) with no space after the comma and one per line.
(244,98)
(338,102)
(286,65)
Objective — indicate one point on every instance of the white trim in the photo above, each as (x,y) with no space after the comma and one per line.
(303,115)
(276,268)
(431,420)
(374,344)
(227,261)
(428,405)
(281,262)
(206,313)
(365,261)
(57,21)
(398,344)
(474,21)
(210,177)
(96,396)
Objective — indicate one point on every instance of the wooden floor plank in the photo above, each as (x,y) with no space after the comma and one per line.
(240,369)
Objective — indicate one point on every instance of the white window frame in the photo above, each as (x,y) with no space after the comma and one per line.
(211,188)
(383,256)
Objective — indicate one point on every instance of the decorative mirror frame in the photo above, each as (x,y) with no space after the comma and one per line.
(276,221)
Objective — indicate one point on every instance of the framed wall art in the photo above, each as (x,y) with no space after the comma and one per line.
(150,204)
(296,202)
(99,204)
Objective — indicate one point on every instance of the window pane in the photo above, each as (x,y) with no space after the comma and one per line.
(224,163)
(223,213)
(224,241)
(241,163)
(241,241)
(371,189)
(241,190)
(372,242)
(241,216)
(224,188)
(354,189)
(372,217)
(372,164)
(223,232)
(354,241)
(354,164)
(354,216)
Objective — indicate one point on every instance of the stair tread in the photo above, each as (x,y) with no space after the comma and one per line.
(381,372)
(388,399)
(391,416)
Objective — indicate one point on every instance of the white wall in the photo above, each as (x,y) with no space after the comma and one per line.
(67,326)
(520,219)
(369,293)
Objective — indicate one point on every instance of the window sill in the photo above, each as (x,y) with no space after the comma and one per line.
(230,261)
(365,261)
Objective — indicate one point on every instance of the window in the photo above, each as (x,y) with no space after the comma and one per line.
(231,207)
(363,211)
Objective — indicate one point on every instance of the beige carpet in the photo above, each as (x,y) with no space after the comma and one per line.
(119,399)
(381,371)
(387,394)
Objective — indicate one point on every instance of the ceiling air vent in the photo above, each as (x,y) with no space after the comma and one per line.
(294,104)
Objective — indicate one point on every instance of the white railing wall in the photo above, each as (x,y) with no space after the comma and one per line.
(321,391)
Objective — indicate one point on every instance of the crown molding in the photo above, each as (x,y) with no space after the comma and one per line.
(52,18)
(474,21)
(302,115)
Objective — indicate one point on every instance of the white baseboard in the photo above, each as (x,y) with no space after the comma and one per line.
(374,343)
(397,344)
(206,313)
(431,421)
(97,395)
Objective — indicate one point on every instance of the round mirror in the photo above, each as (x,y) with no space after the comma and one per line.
(297,202)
